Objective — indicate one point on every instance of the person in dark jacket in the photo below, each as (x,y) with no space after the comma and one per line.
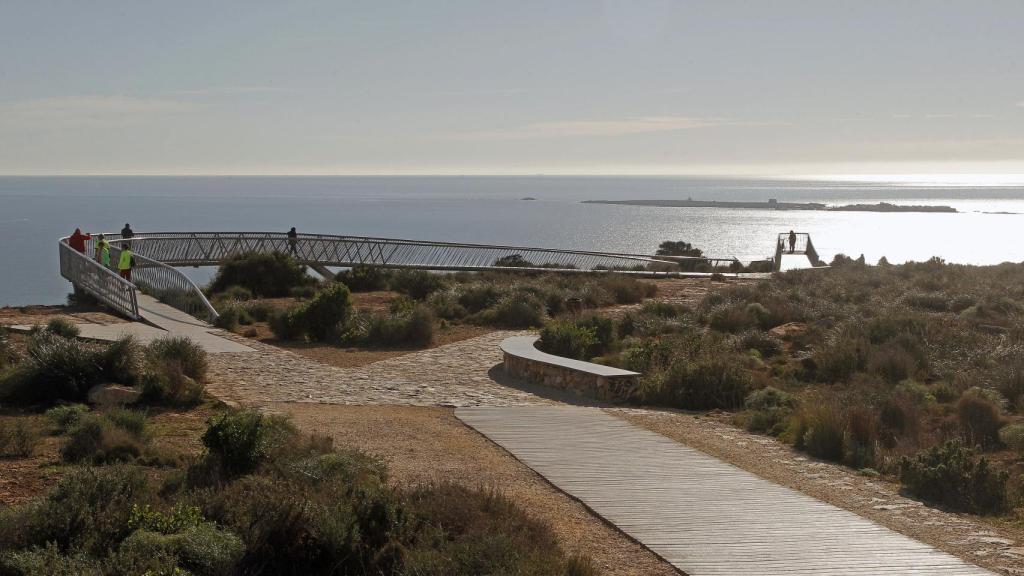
(792,241)
(77,240)
(127,233)
(293,241)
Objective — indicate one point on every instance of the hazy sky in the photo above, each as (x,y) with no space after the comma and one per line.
(487,86)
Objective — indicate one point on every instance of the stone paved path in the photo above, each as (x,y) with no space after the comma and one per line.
(702,515)
(457,374)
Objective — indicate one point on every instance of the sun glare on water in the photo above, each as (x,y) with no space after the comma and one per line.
(937,180)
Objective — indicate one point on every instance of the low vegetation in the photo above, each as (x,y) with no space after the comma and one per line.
(914,371)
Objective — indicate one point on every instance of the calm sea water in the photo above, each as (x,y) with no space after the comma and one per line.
(35,211)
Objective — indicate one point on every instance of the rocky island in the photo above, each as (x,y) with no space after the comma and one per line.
(776,205)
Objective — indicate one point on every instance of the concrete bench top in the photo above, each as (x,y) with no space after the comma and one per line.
(523,347)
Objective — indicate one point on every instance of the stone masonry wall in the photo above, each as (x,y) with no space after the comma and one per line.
(604,388)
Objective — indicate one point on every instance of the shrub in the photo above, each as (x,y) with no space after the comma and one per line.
(980,421)
(123,361)
(768,398)
(625,290)
(704,383)
(845,357)
(56,369)
(89,511)
(860,438)
(19,437)
(236,293)
(64,418)
(677,248)
(202,549)
(892,363)
(604,331)
(180,352)
(819,430)
(171,387)
(446,305)
(362,278)
(647,355)
(765,344)
(663,309)
(1013,437)
(63,328)
(1010,382)
(567,339)
(289,324)
(265,275)
(230,316)
(327,315)
(416,284)
(414,326)
(517,310)
(101,439)
(48,561)
(927,302)
(479,296)
(483,532)
(769,409)
(952,476)
(730,319)
(241,440)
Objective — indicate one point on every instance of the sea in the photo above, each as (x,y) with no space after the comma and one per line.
(540,211)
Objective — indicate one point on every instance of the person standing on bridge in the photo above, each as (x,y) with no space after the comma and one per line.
(127,234)
(792,242)
(103,251)
(77,240)
(126,262)
(293,241)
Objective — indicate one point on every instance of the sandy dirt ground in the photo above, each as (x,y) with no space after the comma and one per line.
(423,445)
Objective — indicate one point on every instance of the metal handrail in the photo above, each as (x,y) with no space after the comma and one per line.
(98,281)
(167,284)
(212,248)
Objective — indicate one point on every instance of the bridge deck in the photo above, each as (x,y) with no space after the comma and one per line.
(702,515)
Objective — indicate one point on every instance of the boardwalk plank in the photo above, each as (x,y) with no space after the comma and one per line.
(703,515)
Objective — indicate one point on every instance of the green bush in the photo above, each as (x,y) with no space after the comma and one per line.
(48,561)
(236,294)
(63,328)
(201,549)
(1012,436)
(123,361)
(951,475)
(411,327)
(483,532)
(231,316)
(663,309)
(64,418)
(56,369)
(479,296)
(88,511)
(703,383)
(446,305)
(842,359)
(180,352)
(416,284)
(980,421)
(769,409)
(264,275)
(19,437)
(731,319)
(289,324)
(646,355)
(362,278)
(819,430)
(625,290)
(567,339)
(517,310)
(328,314)
(765,344)
(101,439)
(241,440)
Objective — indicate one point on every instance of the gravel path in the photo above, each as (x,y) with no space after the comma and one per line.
(459,374)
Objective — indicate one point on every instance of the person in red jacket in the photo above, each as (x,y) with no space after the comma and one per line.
(77,240)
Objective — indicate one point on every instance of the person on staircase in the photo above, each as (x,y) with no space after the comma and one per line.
(125,263)
(103,251)
(77,240)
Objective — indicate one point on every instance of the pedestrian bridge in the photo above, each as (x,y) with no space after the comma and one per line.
(158,254)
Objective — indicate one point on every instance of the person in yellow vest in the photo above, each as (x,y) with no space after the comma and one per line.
(125,264)
(103,251)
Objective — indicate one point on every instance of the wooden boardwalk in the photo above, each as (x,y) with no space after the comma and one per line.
(702,515)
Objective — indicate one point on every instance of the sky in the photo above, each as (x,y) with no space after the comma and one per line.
(758,87)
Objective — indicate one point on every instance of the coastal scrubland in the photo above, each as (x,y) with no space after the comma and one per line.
(913,371)
(178,484)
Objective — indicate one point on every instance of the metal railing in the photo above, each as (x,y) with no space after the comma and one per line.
(212,248)
(166,284)
(800,243)
(98,281)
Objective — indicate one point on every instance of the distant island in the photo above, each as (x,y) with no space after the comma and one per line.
(776,205)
